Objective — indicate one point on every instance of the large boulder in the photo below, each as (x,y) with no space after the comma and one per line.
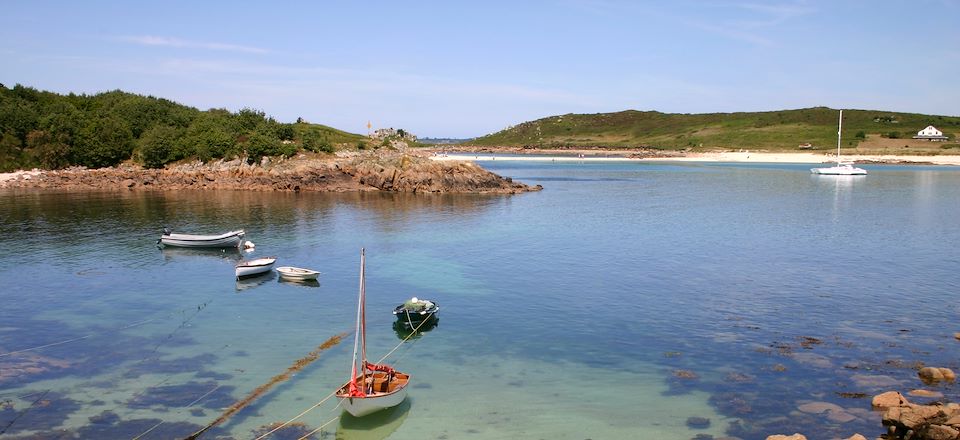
(923,422)
(889,399)
(796,436)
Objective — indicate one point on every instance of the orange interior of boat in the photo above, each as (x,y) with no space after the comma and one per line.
(379,382)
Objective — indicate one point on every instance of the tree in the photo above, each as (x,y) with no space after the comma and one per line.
(250,119)
(158,144)
(313,141)
(259,144)
(103,142)
(48,150)
(208,137)
(10,152)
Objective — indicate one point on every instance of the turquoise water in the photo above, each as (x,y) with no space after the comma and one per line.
(619,302)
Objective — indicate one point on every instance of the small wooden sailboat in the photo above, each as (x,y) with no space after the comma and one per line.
(258,266)
(375,386)
(297,273)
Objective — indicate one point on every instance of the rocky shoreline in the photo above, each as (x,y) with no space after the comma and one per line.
(345,173)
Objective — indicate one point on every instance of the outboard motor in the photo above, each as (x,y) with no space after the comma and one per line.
(167,231)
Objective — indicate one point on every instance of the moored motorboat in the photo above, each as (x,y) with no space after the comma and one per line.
(225,240)
(297,273)
(257,266)
(372,387)
(415,310)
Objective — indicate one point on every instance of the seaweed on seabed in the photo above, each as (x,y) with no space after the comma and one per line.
(292,431)
(298,365)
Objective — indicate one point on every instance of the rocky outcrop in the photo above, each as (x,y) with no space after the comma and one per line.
(370,172)
(910,421)
(415,174)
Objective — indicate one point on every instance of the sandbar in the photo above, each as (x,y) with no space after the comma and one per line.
(732,156)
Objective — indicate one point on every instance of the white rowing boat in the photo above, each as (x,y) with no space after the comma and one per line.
(225,240)
(258,266)
(297,273)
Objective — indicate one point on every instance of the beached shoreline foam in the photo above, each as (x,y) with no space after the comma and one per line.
(745,156)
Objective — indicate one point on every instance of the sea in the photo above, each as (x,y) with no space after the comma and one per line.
(626,300)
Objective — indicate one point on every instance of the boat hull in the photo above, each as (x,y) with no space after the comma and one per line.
(375,401)
(297,273)
(415,317)
(254,267)
(839,171)
(226,240)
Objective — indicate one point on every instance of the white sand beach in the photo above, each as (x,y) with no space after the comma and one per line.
(738,156)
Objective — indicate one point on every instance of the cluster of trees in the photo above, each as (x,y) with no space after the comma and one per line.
(52,131)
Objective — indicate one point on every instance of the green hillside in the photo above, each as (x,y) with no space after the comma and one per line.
(49,130)
(776,130)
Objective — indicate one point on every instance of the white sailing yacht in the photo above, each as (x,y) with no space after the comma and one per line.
(842,168)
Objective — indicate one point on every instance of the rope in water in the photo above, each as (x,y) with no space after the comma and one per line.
(187,406)
(24,412)
(320,428)
(53,344)
(322,401)
(259,391)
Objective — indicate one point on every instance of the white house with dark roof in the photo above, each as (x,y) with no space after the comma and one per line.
(931,133)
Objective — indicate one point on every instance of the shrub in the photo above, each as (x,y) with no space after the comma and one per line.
(158,145)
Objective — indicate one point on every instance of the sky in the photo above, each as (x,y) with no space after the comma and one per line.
(461,69)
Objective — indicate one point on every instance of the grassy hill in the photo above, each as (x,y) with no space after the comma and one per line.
(773,131)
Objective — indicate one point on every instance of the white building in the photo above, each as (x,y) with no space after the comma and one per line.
(931,133)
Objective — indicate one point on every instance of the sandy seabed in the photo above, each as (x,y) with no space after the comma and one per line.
(745,156)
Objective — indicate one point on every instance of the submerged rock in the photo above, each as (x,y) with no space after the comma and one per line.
(933,375)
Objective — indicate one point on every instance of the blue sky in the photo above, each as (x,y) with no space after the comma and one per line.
(464,69)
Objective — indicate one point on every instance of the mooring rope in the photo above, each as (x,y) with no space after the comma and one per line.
(320,428)
(262,389)
(181,408)
(79,338)
(322,401)
(24,412)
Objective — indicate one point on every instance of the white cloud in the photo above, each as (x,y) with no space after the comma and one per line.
(151,40)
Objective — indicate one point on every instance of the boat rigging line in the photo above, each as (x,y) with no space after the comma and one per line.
(322,401)
(298,365)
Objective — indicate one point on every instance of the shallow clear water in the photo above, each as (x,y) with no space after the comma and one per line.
(619,302)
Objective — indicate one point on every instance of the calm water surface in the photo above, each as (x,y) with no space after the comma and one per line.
(619,302)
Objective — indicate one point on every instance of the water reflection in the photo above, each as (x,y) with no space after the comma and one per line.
(378,425)
(404,331)
(172,253)
(298,283)
(248,283)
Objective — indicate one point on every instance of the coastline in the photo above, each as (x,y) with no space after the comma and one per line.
(387,172)
(731,156)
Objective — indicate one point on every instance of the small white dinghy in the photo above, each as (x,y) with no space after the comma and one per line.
(258,266)
(297,273)
(225,240)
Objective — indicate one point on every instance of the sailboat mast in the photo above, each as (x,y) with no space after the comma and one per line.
(356,335)
(839,127)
